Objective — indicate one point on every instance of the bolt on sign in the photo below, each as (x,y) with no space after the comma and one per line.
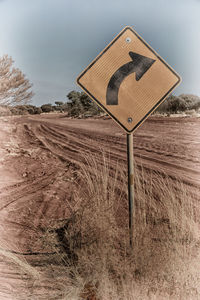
(128,79)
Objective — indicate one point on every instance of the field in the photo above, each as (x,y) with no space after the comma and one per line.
(64,212)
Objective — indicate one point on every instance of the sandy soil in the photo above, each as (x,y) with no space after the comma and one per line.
(39,157)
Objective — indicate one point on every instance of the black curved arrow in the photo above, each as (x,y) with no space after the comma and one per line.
(139,65)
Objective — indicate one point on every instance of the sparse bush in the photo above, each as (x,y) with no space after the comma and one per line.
(192,101)
(80,104)
(37,110)
(47,108)
(65,107)
(30,109)
(19,110)
(182,103)
(57,108)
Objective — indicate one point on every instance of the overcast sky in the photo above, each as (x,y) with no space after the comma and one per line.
(52,41)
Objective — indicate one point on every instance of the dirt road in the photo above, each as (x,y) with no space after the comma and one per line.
(45,149)
(169,145)
(39,156)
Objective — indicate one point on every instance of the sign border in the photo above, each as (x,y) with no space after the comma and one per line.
(155,53)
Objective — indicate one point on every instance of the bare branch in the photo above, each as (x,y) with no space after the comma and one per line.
(14,87)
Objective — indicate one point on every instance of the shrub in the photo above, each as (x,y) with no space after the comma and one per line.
(19,110)
(30,109)
(47,108)
(81,104)
(37,110)
(175,104)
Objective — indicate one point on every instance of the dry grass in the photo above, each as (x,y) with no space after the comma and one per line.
(92,257)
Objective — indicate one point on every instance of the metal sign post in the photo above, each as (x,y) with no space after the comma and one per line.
(130,185)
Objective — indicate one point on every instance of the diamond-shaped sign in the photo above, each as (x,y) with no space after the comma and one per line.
(128,79)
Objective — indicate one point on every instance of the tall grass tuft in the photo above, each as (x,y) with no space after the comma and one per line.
(93,259)
(165,236)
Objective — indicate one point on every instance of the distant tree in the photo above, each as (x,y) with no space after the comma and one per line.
(19,110)
(24,109)
(85,101)
(181,103)
(81,104)
(14,87)
(75,105)
(89,105)
(64,107)
(172,104)
(74,97)
(59,103)
(37,110)
(46,107)
(32,110)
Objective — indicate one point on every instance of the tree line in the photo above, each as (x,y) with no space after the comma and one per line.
(78,104)
(16,95)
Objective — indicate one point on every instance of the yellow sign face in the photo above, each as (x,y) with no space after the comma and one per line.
(128,79)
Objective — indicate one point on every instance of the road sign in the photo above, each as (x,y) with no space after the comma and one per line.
(128,79)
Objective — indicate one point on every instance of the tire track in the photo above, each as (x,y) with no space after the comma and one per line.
(163,157)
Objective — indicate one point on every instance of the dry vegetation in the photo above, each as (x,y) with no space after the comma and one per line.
(14,86)
(92,259)
(79,105)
